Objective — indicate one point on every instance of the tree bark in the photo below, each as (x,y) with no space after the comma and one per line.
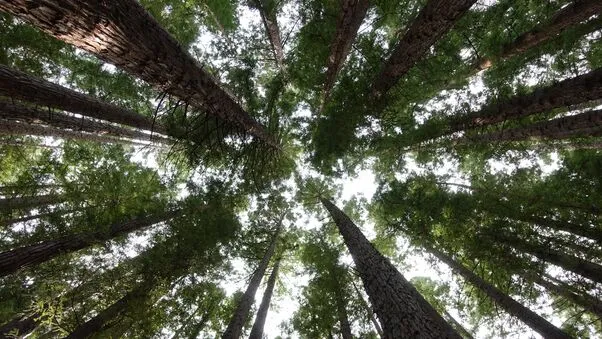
(343,317)
(530,318)
(234,329)
(124,34)
(433,21)
(568,16)
(9,222)
(22,86)
(25,114)
(270,23)
(29,202)
(587,124)
(262,313)
(20,326)
(15,259)
(402,311)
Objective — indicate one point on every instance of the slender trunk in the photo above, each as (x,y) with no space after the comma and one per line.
(13,260)
(350,19)
(568,16)
(402,311)
(571,263)
(29,202)
(20,326)
(262,313)
(9,222)
(343,317)
(433,21)
(530,318)
(270,23)
(587,302)
(463,331)
(576,126)
(234,329)
(18,128)
(18,85)
(124,34)
(10,111)
(369,311)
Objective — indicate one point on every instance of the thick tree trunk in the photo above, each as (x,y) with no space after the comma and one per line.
(571,263)
(20,326)
(25,114)
(270,23)
(29,202)
(433,21)
(13,260)
(369,311)
(234,329)
(587,124)
(262,313)
(22,86)
(530,318)
(402,311)
(19,128)
(568,16)
(125,35)
(350,19)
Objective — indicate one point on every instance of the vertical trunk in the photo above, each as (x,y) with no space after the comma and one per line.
(270,22)
(369,311)
(262,313)
(568,16)
(234,329)
(530,318)
(343,317)
(463,331)
(18,128)
(576,126)
(13,260)
(22,86)
(402,311)
(31,202)
(124,34)
(20,326)
(433,21)
(10,111)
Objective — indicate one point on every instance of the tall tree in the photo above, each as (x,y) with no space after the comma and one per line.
(262,313)
(268,10)
(402,311)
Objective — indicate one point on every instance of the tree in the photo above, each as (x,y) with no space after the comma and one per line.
(257,330)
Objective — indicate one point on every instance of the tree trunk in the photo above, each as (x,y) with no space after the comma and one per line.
(10,111)
(124,34)
(29,202)
(270,22)
(350,19)
(22,86)
(343,317)
(434,20)
(463,331)
(18,128)
(530,318)
(369,311)
(234,329)
(12,189)
(9,222)
(20,326)
(576,126)
(402,311)
(262,313)
(568,16)
(587,302)
(13,260)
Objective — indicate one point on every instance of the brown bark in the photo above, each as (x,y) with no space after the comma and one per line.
(15,259)
(433,21)
(350,19)
(234,329)
(20,326)
(29,202)
(402,311)
(567,17)
(270,23)
(587,124)
(262,313)
(25,114)
(22,86)
(530,318)
(125,35)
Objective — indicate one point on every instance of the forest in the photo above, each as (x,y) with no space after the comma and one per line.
(301,169)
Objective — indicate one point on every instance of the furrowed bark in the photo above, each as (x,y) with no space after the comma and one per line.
(11,111)
(234,329)
(433,21)
(402,311)
(13,260)
(124,34)
(530,318)
(571,15)
(22,86)
(262,313)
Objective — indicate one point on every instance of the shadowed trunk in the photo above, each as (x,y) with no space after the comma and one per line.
(13,260)
(402,311)
(124,34)
(9,222)
(270,23)
(530,318)
(262,313)
(29,202)
(20,326)
(234,329)
(433,21)
(343,317)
